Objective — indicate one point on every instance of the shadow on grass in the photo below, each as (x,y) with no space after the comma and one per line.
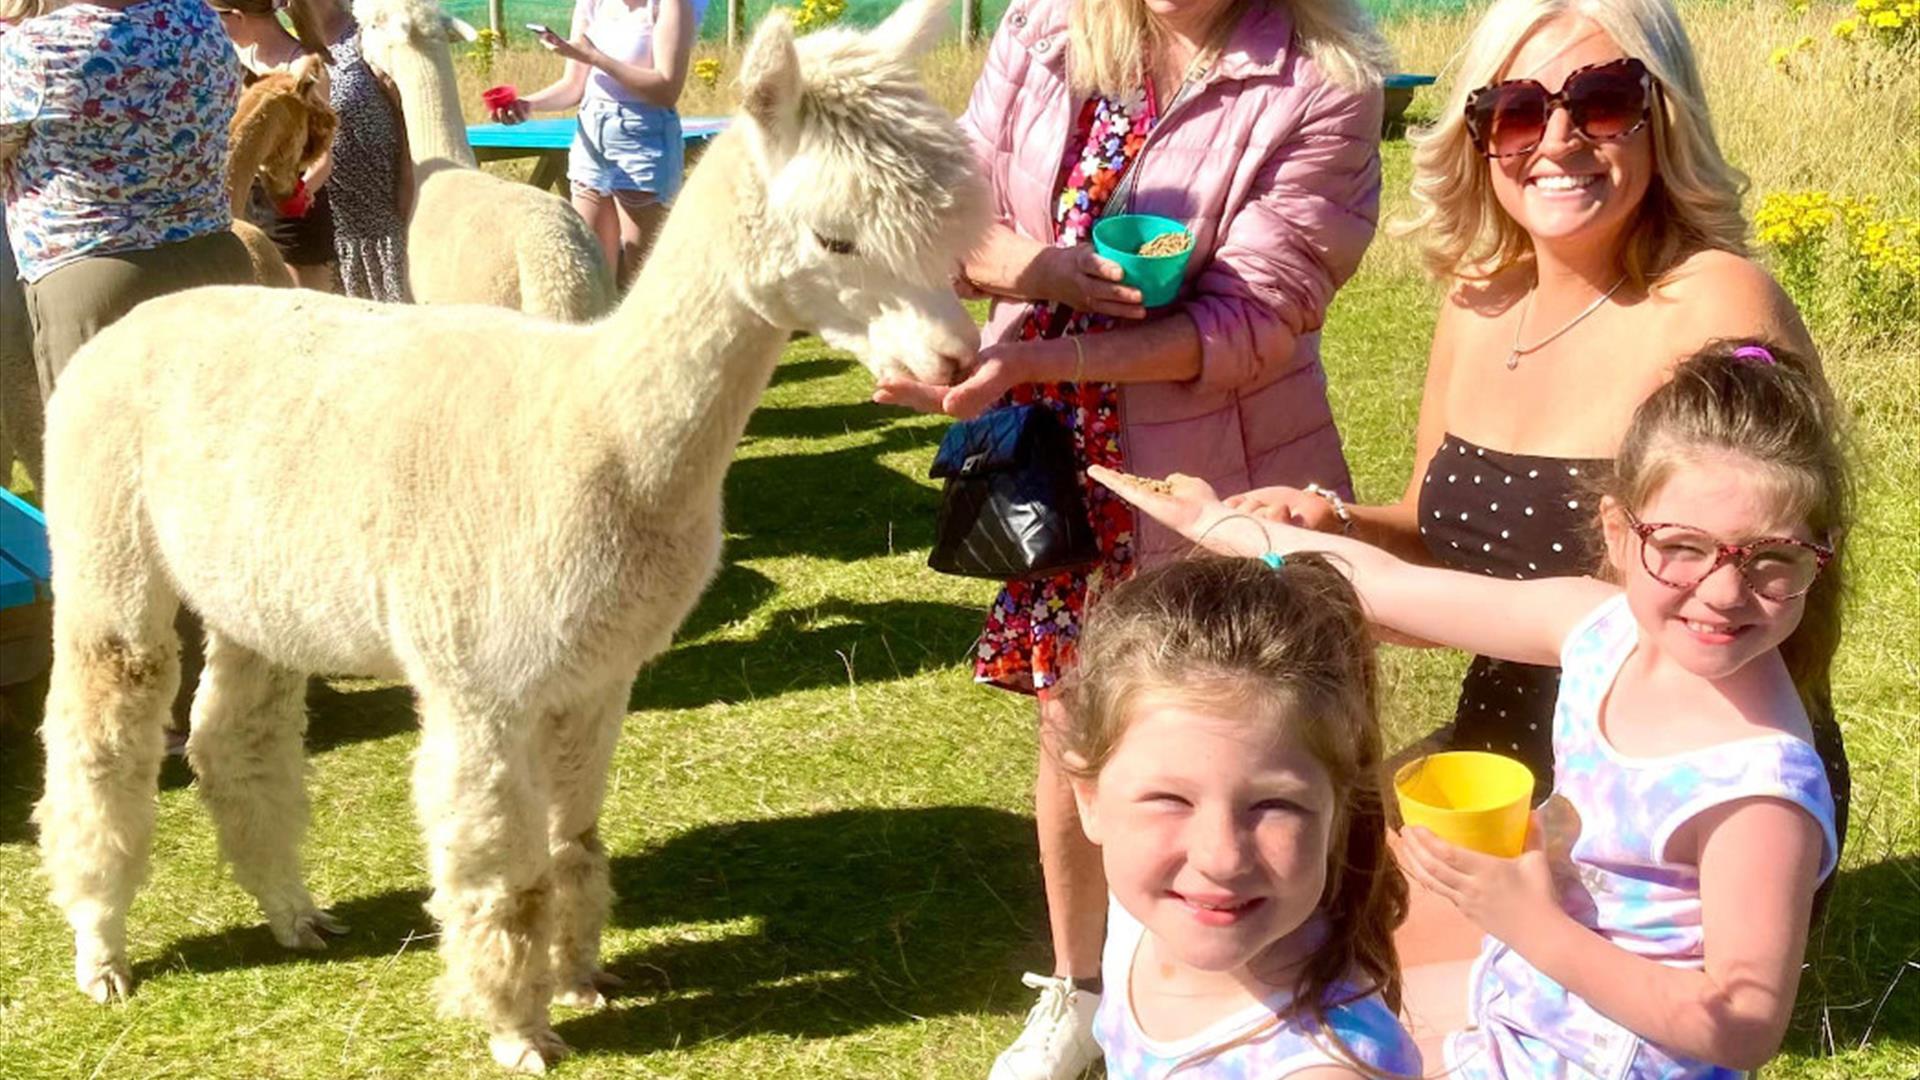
(839,922)
(819,421)
(336,719)
(22,767)
(790,372)
(377,926)
(810,926)
(735,593)
(840,504)
(832,644)
(1861,988)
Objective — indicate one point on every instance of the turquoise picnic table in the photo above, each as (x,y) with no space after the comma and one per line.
(25,599)
(1400,90)
(548,140)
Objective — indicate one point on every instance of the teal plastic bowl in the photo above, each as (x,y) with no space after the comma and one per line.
(1156,276)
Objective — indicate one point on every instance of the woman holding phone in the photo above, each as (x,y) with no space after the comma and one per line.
(627,61)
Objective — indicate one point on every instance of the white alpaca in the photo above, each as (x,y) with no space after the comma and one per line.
(475,238)
(510,513)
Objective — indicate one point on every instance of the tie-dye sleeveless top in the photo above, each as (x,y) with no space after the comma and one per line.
(1622,883)
(1256,1048)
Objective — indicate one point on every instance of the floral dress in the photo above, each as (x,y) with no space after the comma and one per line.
(1034,624)
(113,124)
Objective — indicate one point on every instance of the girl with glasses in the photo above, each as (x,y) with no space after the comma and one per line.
(1655,925)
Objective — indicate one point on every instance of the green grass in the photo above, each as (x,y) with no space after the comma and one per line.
(820,826)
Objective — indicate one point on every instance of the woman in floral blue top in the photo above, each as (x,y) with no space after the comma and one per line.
(113,148)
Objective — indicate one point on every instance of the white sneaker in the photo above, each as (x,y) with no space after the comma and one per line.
(1058,1041)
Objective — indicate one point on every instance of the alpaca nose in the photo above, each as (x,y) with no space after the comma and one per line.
(929,336)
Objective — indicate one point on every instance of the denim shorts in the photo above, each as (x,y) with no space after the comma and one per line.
(624,147)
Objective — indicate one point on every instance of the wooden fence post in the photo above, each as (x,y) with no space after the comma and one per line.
(736,18)
(970,22)
(497,19)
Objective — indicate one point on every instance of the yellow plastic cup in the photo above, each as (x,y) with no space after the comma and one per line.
(1470,798)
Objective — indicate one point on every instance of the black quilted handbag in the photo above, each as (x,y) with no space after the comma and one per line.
(1012,506)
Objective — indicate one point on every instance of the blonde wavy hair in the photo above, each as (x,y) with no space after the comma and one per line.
(19,11)
(1692,204)
(1107,40)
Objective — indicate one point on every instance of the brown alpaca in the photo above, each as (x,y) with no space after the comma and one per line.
(281,125)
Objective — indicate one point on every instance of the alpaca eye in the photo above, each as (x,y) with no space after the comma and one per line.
(838,247)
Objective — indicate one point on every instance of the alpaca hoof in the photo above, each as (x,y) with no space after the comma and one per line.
(581,996)
(589,991)
(527,1053)
(304,930)
(104,980)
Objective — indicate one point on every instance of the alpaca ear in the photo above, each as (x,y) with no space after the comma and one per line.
(913,29)
(770,81)
(307,72)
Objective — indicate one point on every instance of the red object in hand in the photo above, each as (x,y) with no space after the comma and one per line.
(297,204)
(499,97)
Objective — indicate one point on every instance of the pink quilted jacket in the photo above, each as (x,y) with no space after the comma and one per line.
(1277,171)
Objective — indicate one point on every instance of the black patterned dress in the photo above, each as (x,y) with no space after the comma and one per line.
(369,236)
(1516,516)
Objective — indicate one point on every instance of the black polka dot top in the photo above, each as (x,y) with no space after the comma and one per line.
(1517,516)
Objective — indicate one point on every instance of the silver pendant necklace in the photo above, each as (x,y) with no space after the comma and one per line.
(1519,350)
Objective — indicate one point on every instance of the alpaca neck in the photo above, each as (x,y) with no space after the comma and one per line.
(430,98)
(684,360)
(248,143)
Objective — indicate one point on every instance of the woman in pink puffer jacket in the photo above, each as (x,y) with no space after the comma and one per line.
(1257,126)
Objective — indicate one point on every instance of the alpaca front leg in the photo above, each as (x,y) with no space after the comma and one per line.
(481,794)
(579,748)
(106,711)
(249,716)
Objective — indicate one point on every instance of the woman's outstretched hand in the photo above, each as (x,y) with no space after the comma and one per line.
(996,369)
(1288,505)
(1188,506)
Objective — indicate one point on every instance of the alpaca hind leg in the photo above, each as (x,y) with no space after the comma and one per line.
(249,717)
(579,747)
(480,792)
(116,665)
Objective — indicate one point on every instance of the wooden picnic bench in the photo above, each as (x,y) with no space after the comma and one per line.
(547,140)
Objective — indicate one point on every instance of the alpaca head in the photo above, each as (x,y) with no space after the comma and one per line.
(871,193)
(289,111)
(390,25)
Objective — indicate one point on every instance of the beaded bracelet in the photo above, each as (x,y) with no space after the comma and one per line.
(1340,511)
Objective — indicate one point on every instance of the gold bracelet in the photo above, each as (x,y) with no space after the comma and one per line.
(1079,359)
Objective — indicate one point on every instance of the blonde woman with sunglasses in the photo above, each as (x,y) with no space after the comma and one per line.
(1575,200)
(1573,197)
